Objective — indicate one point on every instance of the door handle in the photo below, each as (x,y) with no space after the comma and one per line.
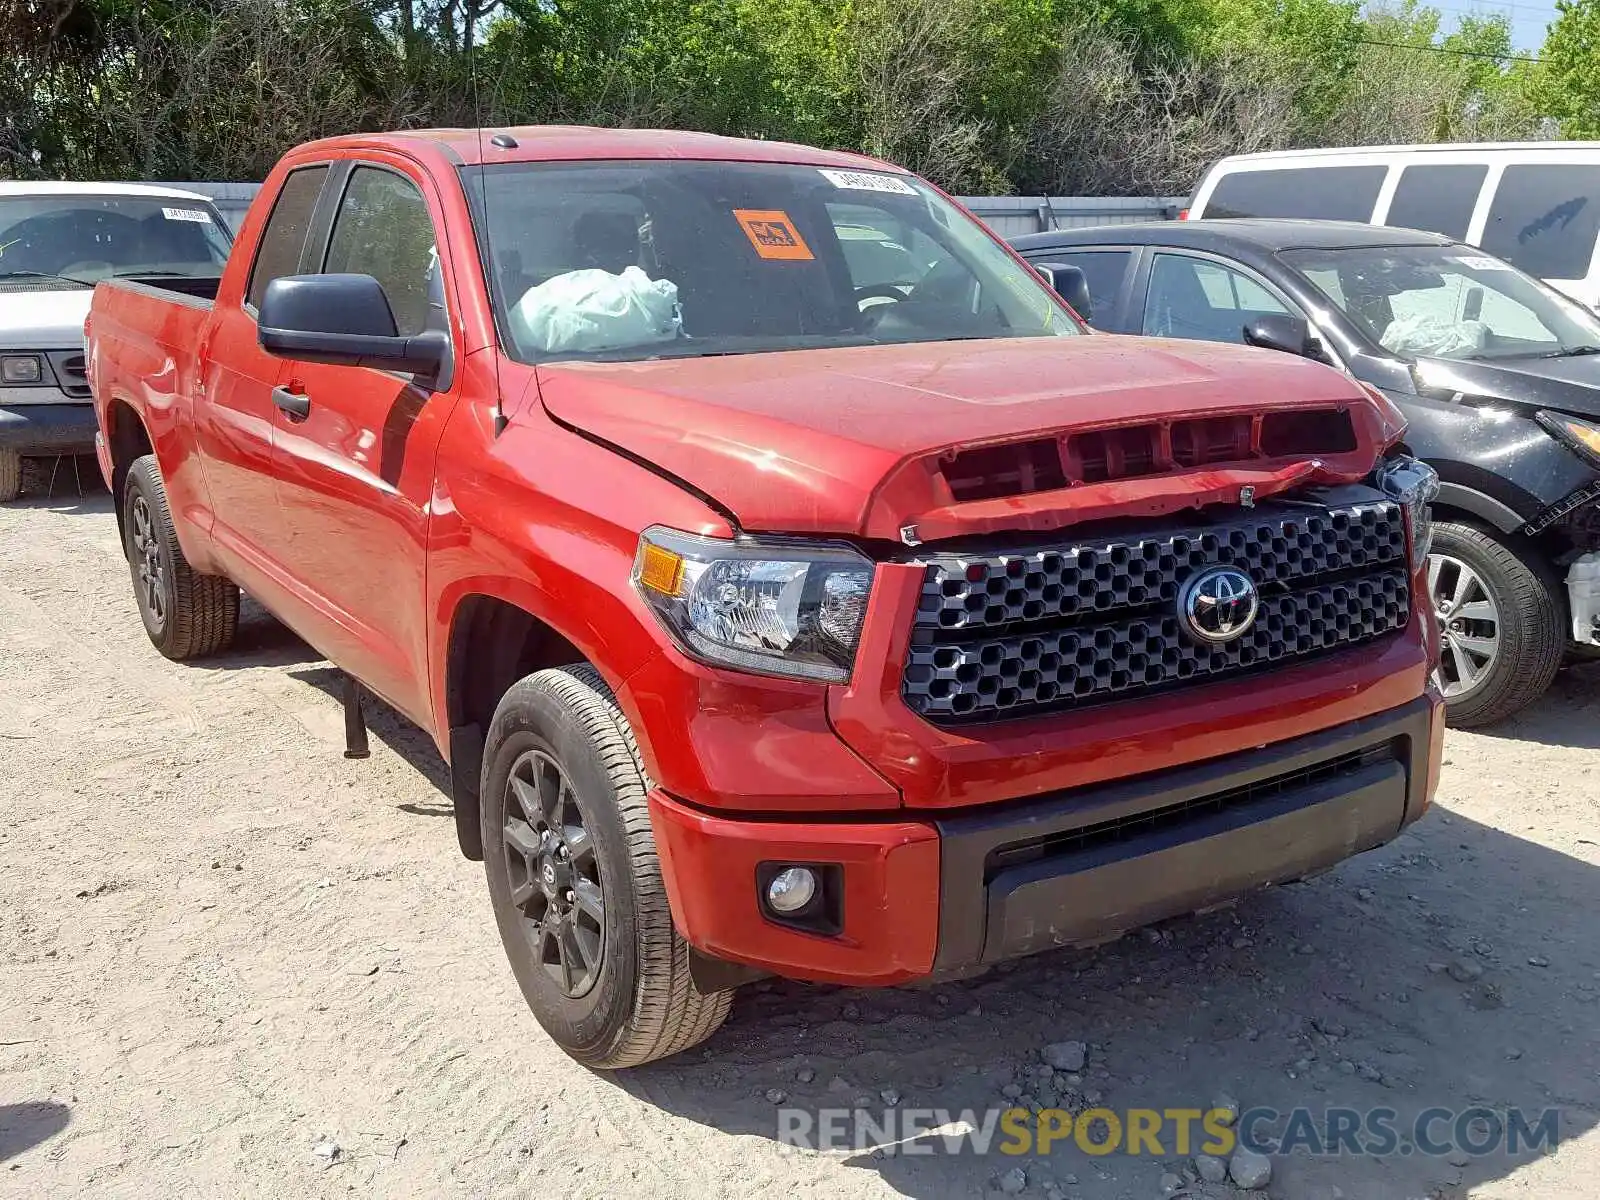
(296,407)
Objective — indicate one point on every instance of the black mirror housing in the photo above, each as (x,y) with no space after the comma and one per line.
(344,320)
(1281,331)
(1070,284)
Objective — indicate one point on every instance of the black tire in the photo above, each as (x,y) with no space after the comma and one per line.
(10,475)
(1530,623)
(186,614)
(638,1004)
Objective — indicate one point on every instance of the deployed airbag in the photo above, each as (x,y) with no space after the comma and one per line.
(593,309)
(1424,333)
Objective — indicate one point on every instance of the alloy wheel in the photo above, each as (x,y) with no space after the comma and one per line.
(554,874)
(1469,624)
(149,562)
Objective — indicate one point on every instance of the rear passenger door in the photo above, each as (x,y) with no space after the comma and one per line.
(234,427)
(1107,270)
(355,473)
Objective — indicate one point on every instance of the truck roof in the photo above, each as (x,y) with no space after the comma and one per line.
(51,187)
(554,143)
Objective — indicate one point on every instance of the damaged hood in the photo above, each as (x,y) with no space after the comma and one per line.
(848,441)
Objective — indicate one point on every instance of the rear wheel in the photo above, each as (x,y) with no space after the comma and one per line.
(1500,624)
(10,475)
(574,878)
(186,614)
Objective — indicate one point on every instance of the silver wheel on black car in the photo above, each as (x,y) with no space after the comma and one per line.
(1501,635)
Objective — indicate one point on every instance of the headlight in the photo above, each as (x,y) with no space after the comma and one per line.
(20,368)
(1413,484)
(769,605)
(1581,436)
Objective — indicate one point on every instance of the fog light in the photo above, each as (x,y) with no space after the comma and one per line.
(791,890)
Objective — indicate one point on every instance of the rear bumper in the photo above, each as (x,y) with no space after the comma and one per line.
(946,895)
(48,428)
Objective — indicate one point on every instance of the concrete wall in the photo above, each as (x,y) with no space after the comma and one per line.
(1010,216)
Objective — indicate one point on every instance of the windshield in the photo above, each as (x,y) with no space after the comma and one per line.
(1448,302)
(78,239)
(621,261)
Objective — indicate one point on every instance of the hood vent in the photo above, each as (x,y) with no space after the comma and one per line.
(1131,451)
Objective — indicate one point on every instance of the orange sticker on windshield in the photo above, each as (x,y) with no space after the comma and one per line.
(773,234)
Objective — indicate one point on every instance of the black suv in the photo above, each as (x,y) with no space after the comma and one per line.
(1498,375)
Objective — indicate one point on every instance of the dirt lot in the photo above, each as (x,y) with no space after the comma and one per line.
(224,946)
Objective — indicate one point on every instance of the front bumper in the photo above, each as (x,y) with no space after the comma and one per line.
(969,888)
(42,429)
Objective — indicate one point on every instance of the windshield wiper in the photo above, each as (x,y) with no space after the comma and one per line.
(46,275)
(1572,352)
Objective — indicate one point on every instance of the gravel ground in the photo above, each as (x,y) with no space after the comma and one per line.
(228,951)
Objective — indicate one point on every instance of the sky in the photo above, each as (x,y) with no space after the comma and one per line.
(1528,17)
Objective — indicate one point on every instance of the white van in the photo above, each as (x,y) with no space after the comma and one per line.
(1535,204)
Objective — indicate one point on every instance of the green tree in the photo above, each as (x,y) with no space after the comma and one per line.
(1566,84)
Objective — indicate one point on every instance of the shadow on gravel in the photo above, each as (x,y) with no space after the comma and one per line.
(1563,716)
(390,728)
(262,641)
(24,1126)
(1455,968)
(70,483)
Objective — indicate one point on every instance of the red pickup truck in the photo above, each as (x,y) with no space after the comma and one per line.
(791,581)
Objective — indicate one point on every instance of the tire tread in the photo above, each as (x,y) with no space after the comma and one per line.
(669,1013)
(205,611)
(1533,641)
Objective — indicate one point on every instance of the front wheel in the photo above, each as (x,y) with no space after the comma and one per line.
(574,878)
(1500,624)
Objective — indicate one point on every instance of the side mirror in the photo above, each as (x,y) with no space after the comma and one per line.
(1069,283)
(344,320)
(1280,331)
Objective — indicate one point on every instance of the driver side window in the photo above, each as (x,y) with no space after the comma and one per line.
(1203,300)
(383,229)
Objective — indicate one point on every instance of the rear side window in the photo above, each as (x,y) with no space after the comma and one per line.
(1103,270)
(284,237)
(1319,193)
(1544,219)
(1438,199)
(383,230)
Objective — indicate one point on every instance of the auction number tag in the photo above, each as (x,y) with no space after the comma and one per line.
(773,234)
(868,181)
(197,215)
(1480,263)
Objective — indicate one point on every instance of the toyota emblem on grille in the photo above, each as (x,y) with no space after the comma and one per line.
(1218,604)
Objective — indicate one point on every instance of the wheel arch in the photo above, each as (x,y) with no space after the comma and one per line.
(1458,500)
(127,439)
(492,643)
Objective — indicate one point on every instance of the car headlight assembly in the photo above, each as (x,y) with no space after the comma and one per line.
(1581,436)
(1413,484)
(21,368)
(768,605)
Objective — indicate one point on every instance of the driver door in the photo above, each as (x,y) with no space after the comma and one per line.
(355,468)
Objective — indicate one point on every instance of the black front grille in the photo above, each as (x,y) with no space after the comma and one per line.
(70,375)
(1062,625)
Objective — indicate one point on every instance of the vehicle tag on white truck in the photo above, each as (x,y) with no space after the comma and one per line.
(866,181)
(198,215)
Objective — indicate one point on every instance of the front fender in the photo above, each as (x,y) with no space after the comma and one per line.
(1498,465)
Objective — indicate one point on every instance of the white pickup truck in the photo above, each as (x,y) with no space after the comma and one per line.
(57,240)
